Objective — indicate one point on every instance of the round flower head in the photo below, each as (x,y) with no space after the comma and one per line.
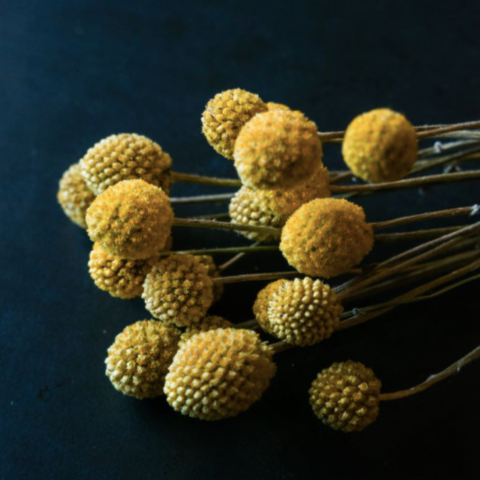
(121,278)
(74,196)
(299,312)
(345,396)
(380,146)
(276,106)
(139,358)
(210,322)
(326,237)
(126,156)
(226,114)
(272,208)
(219,374)
(213,272)
(178,290)
(132,219)
(277,150)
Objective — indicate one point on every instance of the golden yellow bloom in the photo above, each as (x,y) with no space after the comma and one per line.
(226,114)
(277,106)
(132,219)
(345,396)
(219,374)
(326,237)
(277,150)
(121,278)
(178,290)
(380,146)
(210,322)
(139,358)
(272,208)
(126,156)
(299,312)
(213,272)
(74,196)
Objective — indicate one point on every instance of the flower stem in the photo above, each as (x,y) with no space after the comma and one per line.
(178,177)
(213,251)
(255,277)
(236,258)
(406,236)
(433,379)
(199,223)
(216,198)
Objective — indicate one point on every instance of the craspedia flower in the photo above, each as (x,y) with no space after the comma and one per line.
(210,322)
(121,278)
(345,396)
(277,106)
(299,312)
(178,290)
(139,358)
(214,272)
(132,219)
(226,114)
(126,156)
(326,237)
(380,146)
(272,208)
(219,374)
(74,196)
(277,150)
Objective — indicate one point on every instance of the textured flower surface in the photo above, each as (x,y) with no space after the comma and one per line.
(277,150)
(210,322)
(326,237)
(380,146)
(121,278)
(74,196)
(345,396)
(213,272)
(132,219)
(277,106)
(179,290)
(299,312)
(226,114)
(126,156)
(219,374)
(138,360)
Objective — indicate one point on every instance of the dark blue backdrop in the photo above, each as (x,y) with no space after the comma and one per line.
(74,71)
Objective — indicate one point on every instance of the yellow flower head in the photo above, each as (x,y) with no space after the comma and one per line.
(74,196)
(126,156)
(225,115)
(380,146)
(210,322)
(139,358)
(345,396)
(277,150)
(219,374)
(299,312)
(179,290)
(326,237)
(132,219)
(277,106)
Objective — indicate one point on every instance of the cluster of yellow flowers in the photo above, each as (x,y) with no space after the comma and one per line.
(207,368)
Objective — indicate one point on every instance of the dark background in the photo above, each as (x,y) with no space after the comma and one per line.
(75,71)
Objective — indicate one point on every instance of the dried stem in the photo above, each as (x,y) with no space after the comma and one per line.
(418,234)
(255,277)
(216,198)
(213,251)
(178,177)
(236,258)
(433,379)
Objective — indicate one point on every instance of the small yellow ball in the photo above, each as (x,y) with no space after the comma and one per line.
(74,196)
(225,115)
(126,156)
(132,219)
(277,150)
(326,237)
(345,396)
(277,106)
(380,146)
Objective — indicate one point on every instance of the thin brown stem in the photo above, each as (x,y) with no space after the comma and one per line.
(216,198)
(236,258)
(433,379)
(178,177)
(213,251)
(255,277)
(418,234)
(451,212)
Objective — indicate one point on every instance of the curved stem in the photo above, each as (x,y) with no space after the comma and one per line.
(198,223)
(433,379)
(178,177)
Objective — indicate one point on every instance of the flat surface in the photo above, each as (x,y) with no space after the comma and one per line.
(73,72)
